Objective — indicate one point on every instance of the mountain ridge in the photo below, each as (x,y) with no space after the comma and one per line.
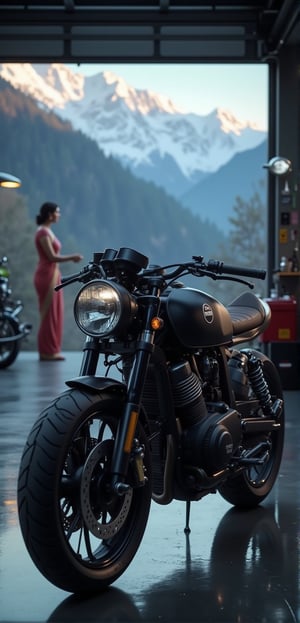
(237,178)
(145,131)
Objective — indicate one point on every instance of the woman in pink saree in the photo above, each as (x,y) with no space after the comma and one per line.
(46,277)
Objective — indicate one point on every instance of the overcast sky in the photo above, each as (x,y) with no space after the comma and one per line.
(240,88)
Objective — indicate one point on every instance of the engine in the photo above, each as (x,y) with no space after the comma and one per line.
(210,434)
(210,444)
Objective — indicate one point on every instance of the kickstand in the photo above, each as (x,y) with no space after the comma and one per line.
(187,529)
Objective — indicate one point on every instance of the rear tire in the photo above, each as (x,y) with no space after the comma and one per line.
(79,534)
(252,486)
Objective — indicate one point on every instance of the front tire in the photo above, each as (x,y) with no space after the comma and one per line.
(80,535)
(252,486)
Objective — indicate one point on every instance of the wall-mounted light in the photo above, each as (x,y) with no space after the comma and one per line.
(9,181)
(279,166)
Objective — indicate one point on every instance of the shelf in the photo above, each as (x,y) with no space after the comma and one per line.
(288,274)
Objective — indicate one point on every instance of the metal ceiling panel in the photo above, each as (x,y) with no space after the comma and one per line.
(152,31)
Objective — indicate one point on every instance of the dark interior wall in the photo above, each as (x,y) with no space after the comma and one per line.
(289,108)
(287,231)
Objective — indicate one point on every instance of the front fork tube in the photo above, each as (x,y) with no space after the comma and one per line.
(91,357)
(127,427)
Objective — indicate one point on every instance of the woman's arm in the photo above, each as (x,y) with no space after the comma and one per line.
(47,245)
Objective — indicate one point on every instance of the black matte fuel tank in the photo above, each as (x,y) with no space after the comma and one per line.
(198,319)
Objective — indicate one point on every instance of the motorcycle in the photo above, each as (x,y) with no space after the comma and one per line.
(187,412)
(12,331)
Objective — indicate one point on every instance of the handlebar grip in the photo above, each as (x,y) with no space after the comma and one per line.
(226,269)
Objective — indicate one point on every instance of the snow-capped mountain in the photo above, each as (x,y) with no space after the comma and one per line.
(144,130)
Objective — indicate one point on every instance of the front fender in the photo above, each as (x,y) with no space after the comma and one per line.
(7,315)
(98,384)
(20,330)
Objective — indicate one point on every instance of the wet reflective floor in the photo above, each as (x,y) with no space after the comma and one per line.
(235,567)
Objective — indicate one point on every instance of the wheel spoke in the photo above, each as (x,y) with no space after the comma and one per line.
(87,541)
(79,541)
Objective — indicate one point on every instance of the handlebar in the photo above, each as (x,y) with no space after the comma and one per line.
(197,267)
(220,268)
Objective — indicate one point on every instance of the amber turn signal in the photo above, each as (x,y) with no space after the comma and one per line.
(157,323)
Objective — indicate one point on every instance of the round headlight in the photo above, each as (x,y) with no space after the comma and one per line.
(102,308)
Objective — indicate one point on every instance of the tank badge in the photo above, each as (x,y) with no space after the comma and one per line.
(208,313)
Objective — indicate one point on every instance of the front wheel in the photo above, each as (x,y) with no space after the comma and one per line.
(9,350)
(253,485)
(80,535)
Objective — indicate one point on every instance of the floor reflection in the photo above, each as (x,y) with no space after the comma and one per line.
(247,580)
(235,567)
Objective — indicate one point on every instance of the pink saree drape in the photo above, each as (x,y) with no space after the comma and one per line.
(51,306)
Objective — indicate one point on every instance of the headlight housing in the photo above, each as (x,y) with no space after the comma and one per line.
(103,308)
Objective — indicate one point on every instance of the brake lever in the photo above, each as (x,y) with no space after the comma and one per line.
(86,274)
(66,283)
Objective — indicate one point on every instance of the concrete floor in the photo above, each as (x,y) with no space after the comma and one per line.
(234,568)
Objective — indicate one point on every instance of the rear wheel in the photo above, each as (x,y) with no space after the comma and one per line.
(252,486)
(8,350)
(80,534)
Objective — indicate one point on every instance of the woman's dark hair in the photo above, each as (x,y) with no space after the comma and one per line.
(45,210)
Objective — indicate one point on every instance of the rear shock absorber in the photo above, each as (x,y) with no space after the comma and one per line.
(259,384)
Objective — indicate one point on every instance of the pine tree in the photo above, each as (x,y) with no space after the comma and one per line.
(246,244)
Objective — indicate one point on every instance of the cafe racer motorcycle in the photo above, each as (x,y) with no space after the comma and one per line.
(186,413)
(12,330)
